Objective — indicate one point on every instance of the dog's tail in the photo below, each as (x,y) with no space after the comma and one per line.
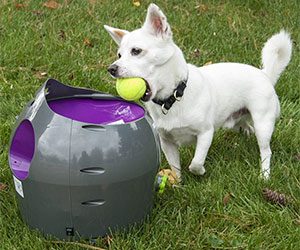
(276,55)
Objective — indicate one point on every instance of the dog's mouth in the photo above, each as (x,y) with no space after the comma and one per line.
(146,97)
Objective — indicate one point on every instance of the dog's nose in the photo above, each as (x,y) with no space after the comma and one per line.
(113,69)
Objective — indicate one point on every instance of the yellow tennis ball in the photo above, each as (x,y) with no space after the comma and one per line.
(131,89)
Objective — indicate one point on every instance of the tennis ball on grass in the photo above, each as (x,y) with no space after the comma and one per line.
(131,89)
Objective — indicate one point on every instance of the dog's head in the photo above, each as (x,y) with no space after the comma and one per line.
(143,52)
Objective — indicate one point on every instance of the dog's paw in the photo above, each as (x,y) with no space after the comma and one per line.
(197,169)
(265,175)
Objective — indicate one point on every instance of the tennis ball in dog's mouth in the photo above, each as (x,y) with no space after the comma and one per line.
(131,89)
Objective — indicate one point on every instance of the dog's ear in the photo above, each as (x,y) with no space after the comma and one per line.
(156,22)
(116,34)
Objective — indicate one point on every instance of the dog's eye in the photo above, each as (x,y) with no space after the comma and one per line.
(119,55)
(135,51)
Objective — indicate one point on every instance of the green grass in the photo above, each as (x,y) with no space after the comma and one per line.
(35,39)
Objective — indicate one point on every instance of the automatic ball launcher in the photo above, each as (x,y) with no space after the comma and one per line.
(84,162)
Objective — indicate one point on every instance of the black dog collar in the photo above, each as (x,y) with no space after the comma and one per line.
(167,103)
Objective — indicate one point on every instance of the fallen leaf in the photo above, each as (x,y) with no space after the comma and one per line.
(21,5)
(171,175)
(93,2)
(227,198)
(297,221)
(3,186)
(136,3)
(201,7)
(52,5)
(208,63)
(41,74)
(87,42)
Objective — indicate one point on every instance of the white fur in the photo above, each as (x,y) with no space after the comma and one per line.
(116,34)
(276,55)
(213,95)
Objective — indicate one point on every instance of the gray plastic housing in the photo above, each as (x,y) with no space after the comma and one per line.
(85,180)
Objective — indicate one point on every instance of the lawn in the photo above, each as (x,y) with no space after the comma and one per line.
(69,43)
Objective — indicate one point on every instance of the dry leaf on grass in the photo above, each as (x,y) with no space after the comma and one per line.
(87,42)
(172,177)
(40,74)
(136,3)
(3,186)
(227,198)
(201,7)
(21,5)
(52,5)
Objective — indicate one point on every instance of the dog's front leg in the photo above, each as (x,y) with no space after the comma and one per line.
(171,152)
(204,140)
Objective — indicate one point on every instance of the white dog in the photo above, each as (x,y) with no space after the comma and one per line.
(230,95)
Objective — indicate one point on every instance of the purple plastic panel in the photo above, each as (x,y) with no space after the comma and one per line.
(97,111)
(22,150)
